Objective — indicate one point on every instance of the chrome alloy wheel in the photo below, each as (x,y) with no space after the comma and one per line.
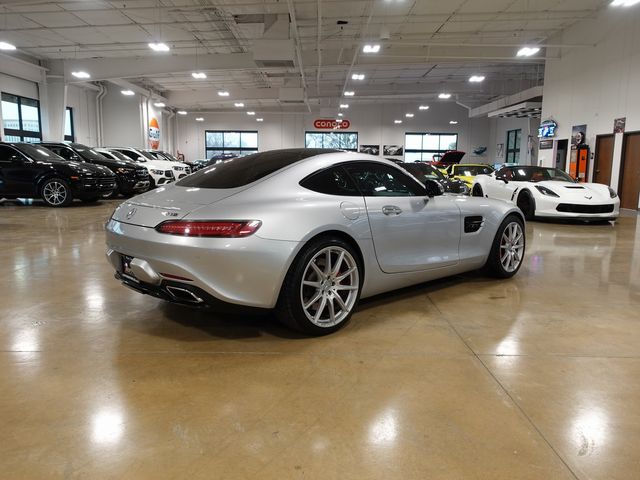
(55,193)
(511,247)
(330,285)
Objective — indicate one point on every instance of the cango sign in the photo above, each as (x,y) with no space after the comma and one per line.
(329,124)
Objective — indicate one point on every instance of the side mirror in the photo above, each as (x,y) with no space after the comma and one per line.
(433,188)
(500,177)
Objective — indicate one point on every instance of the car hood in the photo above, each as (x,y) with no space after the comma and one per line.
(451,157)
(157,164)
(115,164)
(84,168)
(171,202)
(577,191)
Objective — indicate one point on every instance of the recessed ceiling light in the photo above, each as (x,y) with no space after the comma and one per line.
(159,105)
(357,76)
(527,51)
(238,104)
(340,114)
(81,74)
(397,121)
(453,122)
(344,105)
(375,48)
(259,119)
(476,78)
(7,46)
(349,93)
(127,92)
(182,112)
(251,113)
(159,47)
(423,107)
(624,3)
(223,93)
(199,75)
(444,96)
(199,119)
(408,115)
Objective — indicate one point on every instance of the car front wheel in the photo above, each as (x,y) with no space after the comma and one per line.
(322,287)
(507,251)
(56,193)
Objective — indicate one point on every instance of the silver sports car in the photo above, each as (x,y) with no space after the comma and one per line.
(307,232)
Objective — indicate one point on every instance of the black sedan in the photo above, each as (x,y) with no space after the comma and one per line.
(424,171)
(32,171)
(131,177)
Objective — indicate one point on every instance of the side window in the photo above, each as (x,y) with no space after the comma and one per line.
(131,155)
(332,181)
(8,154)
(378,180)
(506,173)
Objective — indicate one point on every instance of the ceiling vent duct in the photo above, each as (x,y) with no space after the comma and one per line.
(274,53)
(522,110)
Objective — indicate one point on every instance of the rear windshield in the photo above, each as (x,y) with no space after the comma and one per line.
(37,152)
(118,155)
(245,170)
(472,171)
(86,152)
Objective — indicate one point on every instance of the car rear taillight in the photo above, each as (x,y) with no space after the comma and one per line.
(215,228)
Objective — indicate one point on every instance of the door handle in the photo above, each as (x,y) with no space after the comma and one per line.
(391,210)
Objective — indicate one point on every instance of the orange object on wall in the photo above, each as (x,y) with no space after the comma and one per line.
(579,163)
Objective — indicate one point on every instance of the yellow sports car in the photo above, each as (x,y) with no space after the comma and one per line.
(466,172)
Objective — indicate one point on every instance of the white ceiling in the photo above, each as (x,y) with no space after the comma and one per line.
(428,45)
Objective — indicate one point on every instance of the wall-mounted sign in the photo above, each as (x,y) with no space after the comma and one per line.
(578,136)
(329,124)
(619,125)
(546,145)
(547,129)
(154,134)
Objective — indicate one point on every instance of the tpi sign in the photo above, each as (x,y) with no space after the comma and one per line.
(329,124)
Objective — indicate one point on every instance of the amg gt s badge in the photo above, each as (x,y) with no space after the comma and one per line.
(169,214)
(131,213)
(588,197)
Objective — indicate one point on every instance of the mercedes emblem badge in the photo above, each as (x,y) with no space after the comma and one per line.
(131,213)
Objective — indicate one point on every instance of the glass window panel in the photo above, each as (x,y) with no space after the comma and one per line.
(448,142)
(231,139)
(68,130)
(30,120)
(10,117)
(249,139)
(214,139)
(431,142)
(413,141)
(214,153)
(412,156)
(11,138)
(31,139)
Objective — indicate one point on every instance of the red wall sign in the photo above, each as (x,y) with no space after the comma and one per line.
(327,123)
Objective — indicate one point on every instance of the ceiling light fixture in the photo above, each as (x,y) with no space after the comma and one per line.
(344,105)
(259,119)
(624,3)
(159,47)
(199,75)
(182,112)
(423,107)
(476,78)
(357,76)
(7,46)
(349,93)
(408,115)
(444,96)
(81,74)
(251,113)
(199,119)
(128,93)
(453,122)
(375,48)
(238,104)
(159,105)
(397,121)
(527,51)
(223,93)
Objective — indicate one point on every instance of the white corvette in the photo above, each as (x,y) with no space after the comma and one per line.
(548,192)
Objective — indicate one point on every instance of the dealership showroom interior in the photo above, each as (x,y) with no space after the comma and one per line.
(320,239)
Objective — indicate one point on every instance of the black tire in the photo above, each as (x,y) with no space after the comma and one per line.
(56,193)
(113,194)
(477,191)
(290,309)
(494,265)
(527,204)
(152,183)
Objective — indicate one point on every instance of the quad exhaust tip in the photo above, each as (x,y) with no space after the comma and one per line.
(183,295)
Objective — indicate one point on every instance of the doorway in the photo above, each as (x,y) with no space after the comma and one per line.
(629,185)
(561,154)
(603,159)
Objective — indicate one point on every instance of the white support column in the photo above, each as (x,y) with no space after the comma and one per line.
(53,103)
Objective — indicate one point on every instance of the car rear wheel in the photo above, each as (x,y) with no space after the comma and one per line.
(56,193)
(507,251)
(322,287)
(477,191)
(527,204)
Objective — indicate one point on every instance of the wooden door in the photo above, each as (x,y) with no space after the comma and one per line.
(604,159)
(629,188)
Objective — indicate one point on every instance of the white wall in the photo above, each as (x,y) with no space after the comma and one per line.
(374,124)
(123,124)
(595,85)
(498,134)
(83,103)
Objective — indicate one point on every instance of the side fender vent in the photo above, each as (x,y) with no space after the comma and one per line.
(473,224)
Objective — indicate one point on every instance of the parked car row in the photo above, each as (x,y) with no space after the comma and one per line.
(60,172)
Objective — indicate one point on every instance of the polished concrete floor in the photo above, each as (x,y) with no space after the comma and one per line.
(467,378)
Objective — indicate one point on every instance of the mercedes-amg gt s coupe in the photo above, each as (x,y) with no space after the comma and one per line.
(306,232)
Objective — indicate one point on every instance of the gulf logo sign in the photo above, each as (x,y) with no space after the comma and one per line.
(154,133)
(329,124)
